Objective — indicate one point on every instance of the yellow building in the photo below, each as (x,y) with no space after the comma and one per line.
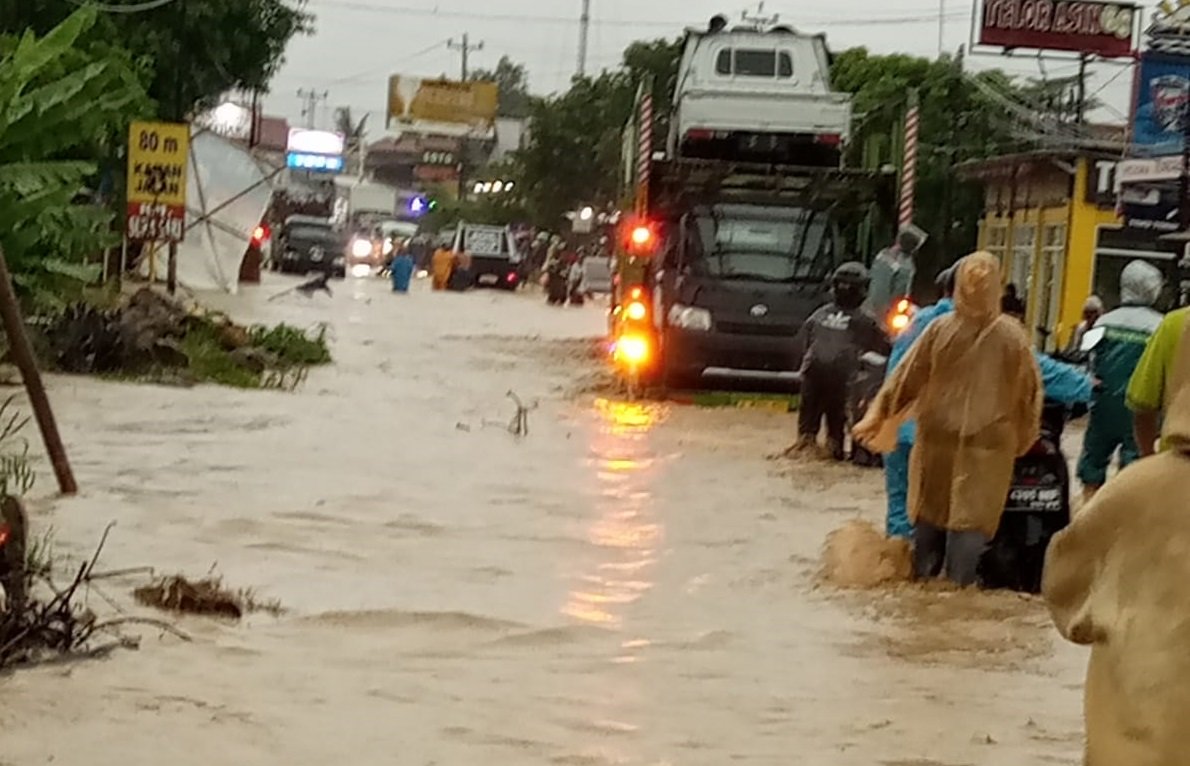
(1041,213)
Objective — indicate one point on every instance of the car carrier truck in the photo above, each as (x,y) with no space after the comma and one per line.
(738,224)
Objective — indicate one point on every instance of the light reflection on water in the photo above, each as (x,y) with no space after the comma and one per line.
(625,530)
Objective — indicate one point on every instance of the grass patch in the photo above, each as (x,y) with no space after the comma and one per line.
(210,362)
(292,346)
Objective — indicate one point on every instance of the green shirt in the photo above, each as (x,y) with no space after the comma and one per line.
(1147,389)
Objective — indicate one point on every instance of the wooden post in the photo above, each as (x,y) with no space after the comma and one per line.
(22,356)
(171,274)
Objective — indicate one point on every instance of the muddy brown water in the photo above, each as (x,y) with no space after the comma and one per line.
(633,583)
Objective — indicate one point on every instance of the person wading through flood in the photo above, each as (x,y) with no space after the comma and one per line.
(975,389)
(1116,579)
(441,266)
(1126,332)
(896,463)
(834,338)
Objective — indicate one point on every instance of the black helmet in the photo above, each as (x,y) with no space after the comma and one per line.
(849,284)
(851,273)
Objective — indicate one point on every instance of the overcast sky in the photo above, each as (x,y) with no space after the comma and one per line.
(357,44)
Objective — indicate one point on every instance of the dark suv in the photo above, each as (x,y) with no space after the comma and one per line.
(310,244)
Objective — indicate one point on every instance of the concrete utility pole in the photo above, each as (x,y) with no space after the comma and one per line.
(584,31)
(310,99)
(465,48)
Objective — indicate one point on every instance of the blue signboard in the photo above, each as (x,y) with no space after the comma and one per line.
(1162,96)
(320,163)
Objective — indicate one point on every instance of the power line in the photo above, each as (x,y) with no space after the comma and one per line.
(387,67)
(517,18)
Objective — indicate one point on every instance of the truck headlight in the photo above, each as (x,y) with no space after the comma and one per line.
(689,318)
(361,248)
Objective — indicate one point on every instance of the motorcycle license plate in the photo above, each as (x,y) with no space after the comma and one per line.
(1034,499)
(488,279)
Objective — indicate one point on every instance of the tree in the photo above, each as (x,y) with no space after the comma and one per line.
(60,104)
(513,84)
(188,52)
(573,154)
(958,122)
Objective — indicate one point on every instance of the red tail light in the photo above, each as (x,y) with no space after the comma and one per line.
(511,278)
(259,235)
(699,134)
(5,533)
(829,139)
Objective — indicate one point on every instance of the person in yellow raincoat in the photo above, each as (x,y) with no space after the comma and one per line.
(1117,579)
(441,265)
(975,389)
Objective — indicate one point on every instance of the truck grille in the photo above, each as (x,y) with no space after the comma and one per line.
(765,330)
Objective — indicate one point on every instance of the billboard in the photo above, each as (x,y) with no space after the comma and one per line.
(158,153)
(1162,94)
(416,100)
(1079,26)
(318,151)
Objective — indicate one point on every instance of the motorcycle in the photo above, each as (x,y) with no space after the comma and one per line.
(1037,508)
(1038,502)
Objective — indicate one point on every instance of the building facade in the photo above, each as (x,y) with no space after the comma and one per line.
(1042,212)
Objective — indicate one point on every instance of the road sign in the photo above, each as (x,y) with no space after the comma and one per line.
(157,156)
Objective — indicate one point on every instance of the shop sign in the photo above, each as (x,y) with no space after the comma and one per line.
(156,199)
(1093,28)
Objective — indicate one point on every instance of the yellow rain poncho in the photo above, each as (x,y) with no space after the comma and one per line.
(973,386)
(1117,579)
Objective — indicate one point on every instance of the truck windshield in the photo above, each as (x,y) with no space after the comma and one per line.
(790,245)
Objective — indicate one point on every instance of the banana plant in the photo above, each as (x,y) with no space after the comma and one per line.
(64,103)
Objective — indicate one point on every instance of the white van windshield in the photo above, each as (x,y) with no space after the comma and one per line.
(766,244)
(754,62)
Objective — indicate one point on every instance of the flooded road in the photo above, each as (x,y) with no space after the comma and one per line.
(628,584)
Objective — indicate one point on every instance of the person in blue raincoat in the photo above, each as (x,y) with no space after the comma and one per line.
(1063,383)
(402,270)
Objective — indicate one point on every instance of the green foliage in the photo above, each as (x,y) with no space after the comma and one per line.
(210,362)
(62,101)
(188,52)
(291,346)
(958,123)
(513,83)
(573,155)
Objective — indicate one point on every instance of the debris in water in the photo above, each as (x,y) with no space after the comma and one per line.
(207,596)
(857,555)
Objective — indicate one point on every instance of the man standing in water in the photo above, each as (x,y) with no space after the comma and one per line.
(973,384)
(1152,387)
(1126,332)
(1115,579)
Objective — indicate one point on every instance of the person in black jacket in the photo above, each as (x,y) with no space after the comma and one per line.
(835,337)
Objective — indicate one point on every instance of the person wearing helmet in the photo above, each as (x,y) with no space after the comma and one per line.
(835,336)
(1127,330)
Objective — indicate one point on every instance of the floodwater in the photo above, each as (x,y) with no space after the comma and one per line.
(630,583)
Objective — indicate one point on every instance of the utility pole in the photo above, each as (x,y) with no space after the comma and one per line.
(941,26)
(465,48)
(584,30)
(310,99)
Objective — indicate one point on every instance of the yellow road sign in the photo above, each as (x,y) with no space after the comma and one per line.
(157,157)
